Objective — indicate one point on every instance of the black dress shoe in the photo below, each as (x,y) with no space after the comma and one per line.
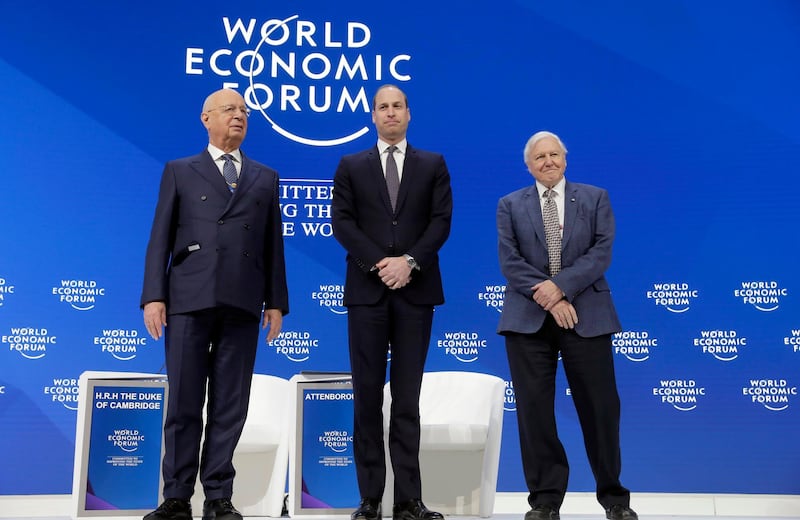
(620,512)
(414,510)
(542,512)
(220,509)
(171,509)
(368,509)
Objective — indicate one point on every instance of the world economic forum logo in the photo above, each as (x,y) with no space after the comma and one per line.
(29,342)
(296,345)
(81,295)
(724,345)
(765,296)
(127,440)
(773,394)
(64,391)
(492,296)
(675,297)
(634,344)
(338,441)
(681,394)
(330,296)
(121,344)
(461,345)
(295,72)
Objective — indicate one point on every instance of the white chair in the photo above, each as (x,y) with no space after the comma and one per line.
(461,418)
(261,458)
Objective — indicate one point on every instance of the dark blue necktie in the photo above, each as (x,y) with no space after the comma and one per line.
(229,172)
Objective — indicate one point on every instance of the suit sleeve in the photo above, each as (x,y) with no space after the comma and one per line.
(276,293)
(361,248)
(162,238)
(426,249)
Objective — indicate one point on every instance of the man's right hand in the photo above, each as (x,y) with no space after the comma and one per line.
(155,318)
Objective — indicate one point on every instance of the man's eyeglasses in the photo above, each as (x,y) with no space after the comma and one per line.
(229,110)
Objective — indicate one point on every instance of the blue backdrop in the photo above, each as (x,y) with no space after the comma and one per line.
(686,112)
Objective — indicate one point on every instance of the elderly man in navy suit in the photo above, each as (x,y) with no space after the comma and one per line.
(391,211)
(554,242)
(214,266)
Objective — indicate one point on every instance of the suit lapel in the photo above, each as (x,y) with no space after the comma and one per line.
(246,177)
(205,166)
(533,207)
(407,176)
(376,173)
(570,212)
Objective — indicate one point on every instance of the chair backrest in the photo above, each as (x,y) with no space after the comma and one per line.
(458,397)
(269,400)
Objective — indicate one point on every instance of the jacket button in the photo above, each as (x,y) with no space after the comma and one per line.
(203,197)
(220,222)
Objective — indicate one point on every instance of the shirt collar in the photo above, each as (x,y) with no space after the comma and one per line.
(401,146)
(217,153)
(559,188)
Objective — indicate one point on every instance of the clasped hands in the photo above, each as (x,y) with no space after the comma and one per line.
(551,298)
(394,271)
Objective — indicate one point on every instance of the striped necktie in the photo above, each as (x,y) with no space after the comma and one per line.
(229,172)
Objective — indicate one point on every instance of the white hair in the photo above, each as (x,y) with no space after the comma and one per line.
(538,136)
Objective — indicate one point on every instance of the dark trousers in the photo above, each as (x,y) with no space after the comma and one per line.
(589,367)
(214,348)
(372,329)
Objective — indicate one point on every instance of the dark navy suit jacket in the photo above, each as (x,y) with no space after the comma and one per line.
(208,247)
(585,256)
(364,223)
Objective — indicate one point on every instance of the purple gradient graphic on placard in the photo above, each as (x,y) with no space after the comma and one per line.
(94,503)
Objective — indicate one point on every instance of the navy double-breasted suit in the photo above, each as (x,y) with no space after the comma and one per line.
(216,260)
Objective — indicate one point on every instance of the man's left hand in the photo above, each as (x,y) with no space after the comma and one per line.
(394,271)
(274,319)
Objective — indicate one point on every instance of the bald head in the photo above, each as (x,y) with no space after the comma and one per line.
(225,117)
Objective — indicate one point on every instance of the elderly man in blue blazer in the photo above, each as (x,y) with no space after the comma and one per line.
(554,243)
(214,266)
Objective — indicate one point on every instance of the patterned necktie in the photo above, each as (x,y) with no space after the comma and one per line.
(229,172)
(392,177)
(552,231)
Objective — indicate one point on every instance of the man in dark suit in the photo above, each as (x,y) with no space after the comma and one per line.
(391,211)
(214,266)
(557,300)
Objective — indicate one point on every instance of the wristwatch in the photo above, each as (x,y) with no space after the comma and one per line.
(411,262)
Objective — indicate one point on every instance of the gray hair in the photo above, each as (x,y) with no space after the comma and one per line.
(538,136)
